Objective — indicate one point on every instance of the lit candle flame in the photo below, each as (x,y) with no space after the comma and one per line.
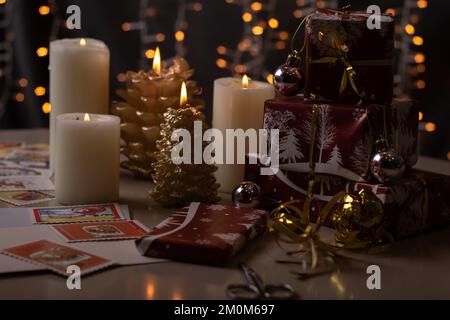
(83,42)
(245,82)
(183,96)
(86,117)
(157,61)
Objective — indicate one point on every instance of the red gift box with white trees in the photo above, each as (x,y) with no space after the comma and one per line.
(346,134)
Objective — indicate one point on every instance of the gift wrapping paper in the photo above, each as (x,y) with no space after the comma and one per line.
(338,40)
(204,233)
(417,203)
(346,134)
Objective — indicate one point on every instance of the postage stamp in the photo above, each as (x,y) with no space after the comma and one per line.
(57,257)
(95,231)
(71,214)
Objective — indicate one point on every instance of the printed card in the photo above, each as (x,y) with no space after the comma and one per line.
(50,193)
(96,231)
(72,214)
(29,155)
(34,156)
(32,164)
(16,171)
(24,198)
(25,183)
(11,145)
(7,148)
(57,257)
(36,147)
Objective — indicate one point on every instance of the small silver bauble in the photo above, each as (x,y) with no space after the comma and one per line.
(288,79)
(387,166)
(246,195)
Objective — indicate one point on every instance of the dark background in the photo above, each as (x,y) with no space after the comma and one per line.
(216,23)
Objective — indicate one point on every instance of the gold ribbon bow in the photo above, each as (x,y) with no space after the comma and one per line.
(358,218)
(359,221)
(349,76)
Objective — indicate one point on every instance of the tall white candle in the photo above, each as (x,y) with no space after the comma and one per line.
(79,80)
(238,104)
(87,158)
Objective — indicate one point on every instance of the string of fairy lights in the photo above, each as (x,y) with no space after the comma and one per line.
(261,35)
(408,43)
(411,59)
(16,88)
(258,38)
(149,39)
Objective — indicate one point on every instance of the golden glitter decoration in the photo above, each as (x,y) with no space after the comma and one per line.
(177,185)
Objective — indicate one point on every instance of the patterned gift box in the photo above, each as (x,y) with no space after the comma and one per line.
(418,203)
(337,41)
(204,233)
(346,134)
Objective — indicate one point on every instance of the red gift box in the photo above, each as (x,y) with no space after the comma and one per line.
(346,134)
(336,41)
(417,203)
(204,233)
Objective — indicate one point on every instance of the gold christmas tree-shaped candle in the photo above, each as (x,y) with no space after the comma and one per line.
(147,97)
(179,184)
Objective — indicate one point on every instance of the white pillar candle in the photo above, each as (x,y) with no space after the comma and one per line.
(87,158)
(238,104)
(79,80)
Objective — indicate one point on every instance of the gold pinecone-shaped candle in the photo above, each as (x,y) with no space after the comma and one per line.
(176,185)
(147,96)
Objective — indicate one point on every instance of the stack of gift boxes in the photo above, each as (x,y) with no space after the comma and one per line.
(349,82)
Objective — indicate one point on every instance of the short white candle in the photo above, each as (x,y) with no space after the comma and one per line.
(238,105)
(79,80)
(87,158)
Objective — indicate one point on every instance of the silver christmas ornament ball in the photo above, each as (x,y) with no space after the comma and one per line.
(246,195)
(387,166)
(289,79)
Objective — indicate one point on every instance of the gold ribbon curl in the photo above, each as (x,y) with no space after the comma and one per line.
(358,218)
(359,221)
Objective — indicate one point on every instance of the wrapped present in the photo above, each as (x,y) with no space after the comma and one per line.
(346,134)
(204,233)
(345,60)
(417,203)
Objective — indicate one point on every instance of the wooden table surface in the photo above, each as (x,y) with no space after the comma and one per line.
(416,268)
